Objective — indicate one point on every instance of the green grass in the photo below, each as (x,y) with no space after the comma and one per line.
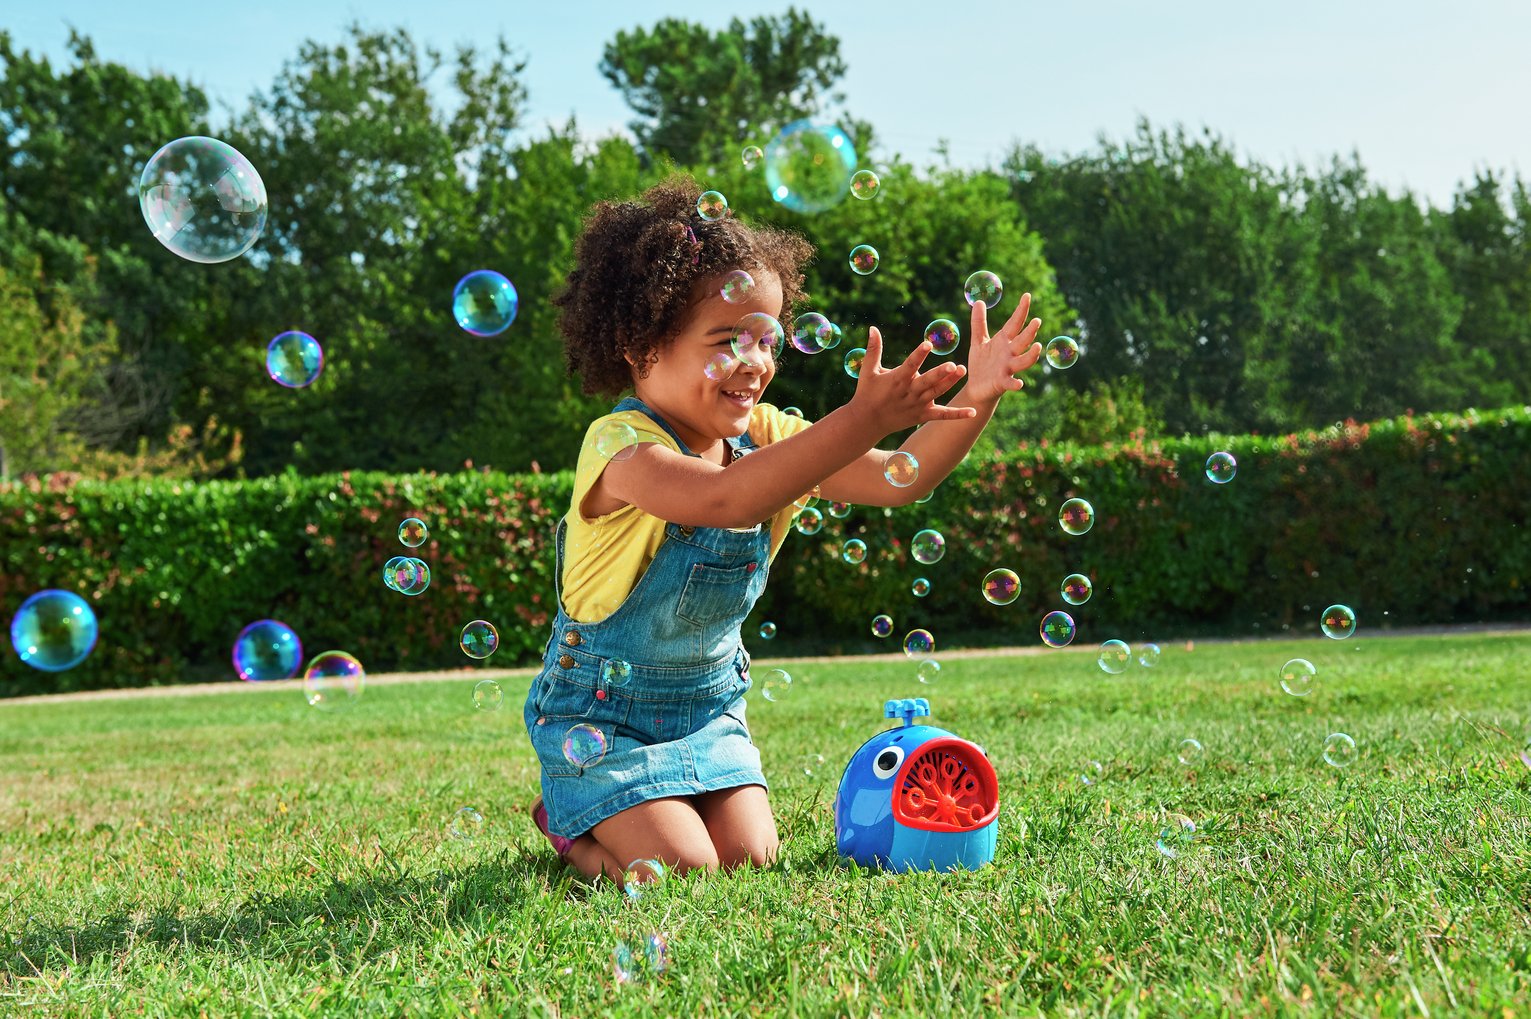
(245,855)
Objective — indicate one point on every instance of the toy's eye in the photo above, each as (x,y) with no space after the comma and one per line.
(887,762)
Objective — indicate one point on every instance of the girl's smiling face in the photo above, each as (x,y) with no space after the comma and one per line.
(701,410)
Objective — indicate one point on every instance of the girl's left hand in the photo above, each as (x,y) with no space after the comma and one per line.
(993,361)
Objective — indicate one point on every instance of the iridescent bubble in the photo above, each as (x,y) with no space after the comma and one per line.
(812,764)
(854,551)
(1339,750)
(882,625)
(1076,589)
(983,286)
(758,338)
(810,522)
(751,156)
(839,510)
(808,166)
(421,581)
(920,588)
(1338,622)
(927,546)
(864,184)
(1076,516)
(928,671)
(832,340)
(479,639)
(943,335)
(1148,655)
(624,964)
(737,286)
(711,205)
(1115,656)
(1001,586)
(1092,773)
(413,532)
(864,259)
(919,644)
(265,650)
(767,630)
(777,683)
(467,823)
(1189,752)
(1176,837)
(1297,677)
(294,359)
(1062,352)
(616,439)
(810,331)
(901,469)
(399,573)
(1057,629)
(792,412)
(584,745)
(487,695)
(650,957)
(617,671)
(922,500)
(1221,467)
(333,680)
(202,199)
(853,359)
(718,367)
(484,303)
(639,875)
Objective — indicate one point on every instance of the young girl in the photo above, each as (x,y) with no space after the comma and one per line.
(668,540)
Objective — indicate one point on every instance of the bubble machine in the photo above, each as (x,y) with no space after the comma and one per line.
(917,798)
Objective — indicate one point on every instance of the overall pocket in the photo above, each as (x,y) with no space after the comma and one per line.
(714,593)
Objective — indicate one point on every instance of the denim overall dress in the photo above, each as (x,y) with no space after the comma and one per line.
(675,726)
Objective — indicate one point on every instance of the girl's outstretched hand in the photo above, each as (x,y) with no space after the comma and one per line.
(901,397)
(993,361)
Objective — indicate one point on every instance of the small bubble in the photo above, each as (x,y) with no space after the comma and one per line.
(467,823)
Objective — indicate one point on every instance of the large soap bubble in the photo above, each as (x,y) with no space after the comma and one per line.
(54,630)
(202,199)
(808,166)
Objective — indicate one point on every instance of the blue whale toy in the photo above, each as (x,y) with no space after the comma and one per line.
(917,798)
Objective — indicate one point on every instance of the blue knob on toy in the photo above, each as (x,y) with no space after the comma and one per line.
(917,798)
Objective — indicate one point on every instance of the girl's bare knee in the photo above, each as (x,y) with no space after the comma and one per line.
(760,853)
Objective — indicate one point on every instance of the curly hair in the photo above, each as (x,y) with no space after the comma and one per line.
(636,268)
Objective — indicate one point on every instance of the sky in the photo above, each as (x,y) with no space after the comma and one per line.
(1426,92)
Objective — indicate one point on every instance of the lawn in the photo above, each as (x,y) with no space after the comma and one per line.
(244,854)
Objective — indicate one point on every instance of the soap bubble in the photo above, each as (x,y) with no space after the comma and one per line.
(1339,750)
(813,763)
(1177,836)
(719,367)
(1076,516)
(479,639)
(1057,629)
(864,259)
(810,331)
(810,522)
(267,650)
(584,745)
(202,199)
(919,644)
(757,338)
(1115,656)
(1062,352)
(943,335)
(1297,677)
(1001,586)
(920,588)
(983,286)
(1338,622)
(294,359)
(1189,752)
(1221,467)
(1076,589)
(832,341)
(854,551)
(1092,773)
(651,957)
(808,166)
(864,184)
(1148,655)
(54,630)
(777,683)
(466,823)
(413,532)
(928,671)
(711,205)
(420,579)
(853,359)
(767,630)
(638,875)
(399,572)
(751,156)
(792,412)
(839,510)
(616,671)
(927,546)
(484,303)
(901,469)
(333,679)
(616,439)
(737,286)
(882,625)
(487,695)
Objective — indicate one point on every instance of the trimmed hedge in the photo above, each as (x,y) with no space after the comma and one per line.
(1411,520)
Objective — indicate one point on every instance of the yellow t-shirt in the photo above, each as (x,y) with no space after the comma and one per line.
(604,557)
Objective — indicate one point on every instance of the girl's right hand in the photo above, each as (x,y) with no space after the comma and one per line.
(893,399)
